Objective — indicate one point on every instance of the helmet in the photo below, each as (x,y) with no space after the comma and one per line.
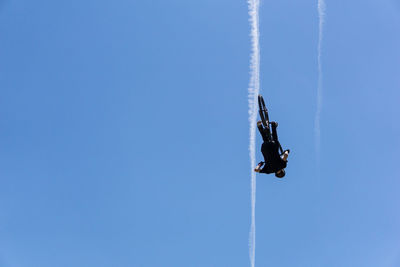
(280,173)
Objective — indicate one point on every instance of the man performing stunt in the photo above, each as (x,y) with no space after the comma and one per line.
(274,156)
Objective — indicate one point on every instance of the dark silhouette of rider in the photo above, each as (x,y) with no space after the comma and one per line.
(275,162)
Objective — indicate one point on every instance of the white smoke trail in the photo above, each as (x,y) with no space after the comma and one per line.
(254,88)
(321,15)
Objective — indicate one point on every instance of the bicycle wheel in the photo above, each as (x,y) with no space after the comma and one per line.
(263,111)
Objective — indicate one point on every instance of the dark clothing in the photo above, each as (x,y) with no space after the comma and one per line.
(272,158)
(270,150)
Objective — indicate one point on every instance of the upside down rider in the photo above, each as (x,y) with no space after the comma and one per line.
(275,159)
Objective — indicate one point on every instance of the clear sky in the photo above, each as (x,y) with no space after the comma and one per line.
(124,134)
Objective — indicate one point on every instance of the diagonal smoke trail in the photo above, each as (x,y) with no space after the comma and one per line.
(321,15)
(254,88)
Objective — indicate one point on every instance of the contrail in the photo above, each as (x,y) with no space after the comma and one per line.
(321,15)
(254,88)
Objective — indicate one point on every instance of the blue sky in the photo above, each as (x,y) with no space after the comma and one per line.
(124,134)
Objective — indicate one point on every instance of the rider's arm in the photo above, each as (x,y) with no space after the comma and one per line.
(285,155)
(266,169)
(258,167)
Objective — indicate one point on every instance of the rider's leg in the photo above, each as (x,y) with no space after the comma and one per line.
(260,129)
(263,131)
(274,133)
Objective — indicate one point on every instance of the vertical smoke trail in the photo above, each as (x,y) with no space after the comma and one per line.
(321,15)
(254,88)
